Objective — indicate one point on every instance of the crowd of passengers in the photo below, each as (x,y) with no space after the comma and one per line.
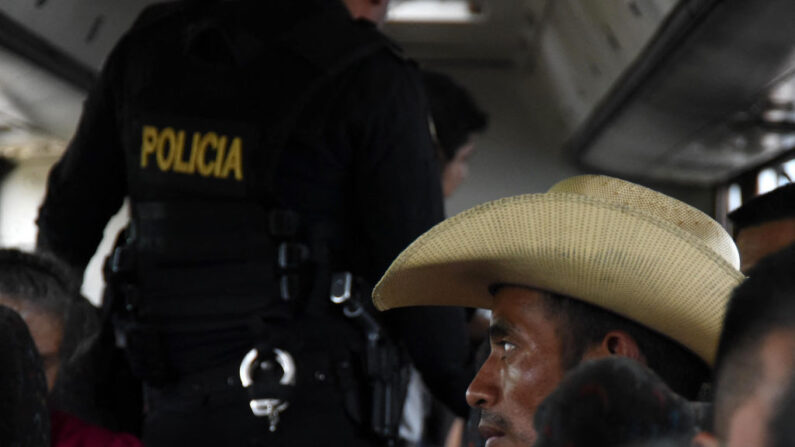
(619,316)
(586,350)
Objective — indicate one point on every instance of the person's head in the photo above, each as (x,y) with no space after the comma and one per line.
(41,291)
(756,355)
(536,337)
(593,268)
(764,225)
(372,10)
(612,402)
(455,119)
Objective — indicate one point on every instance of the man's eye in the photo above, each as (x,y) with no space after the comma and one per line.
(506,345)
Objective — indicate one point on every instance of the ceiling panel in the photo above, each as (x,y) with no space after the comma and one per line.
(693,114)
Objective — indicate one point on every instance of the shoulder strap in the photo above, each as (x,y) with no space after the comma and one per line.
(352,42)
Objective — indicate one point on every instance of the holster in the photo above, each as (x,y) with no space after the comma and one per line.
(141,344)
(385,362)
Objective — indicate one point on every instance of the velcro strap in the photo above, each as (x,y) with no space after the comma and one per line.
(201,231)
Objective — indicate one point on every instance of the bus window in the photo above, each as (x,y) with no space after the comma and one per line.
(734,197)
(766,181)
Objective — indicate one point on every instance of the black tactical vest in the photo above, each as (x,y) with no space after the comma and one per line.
(210,95)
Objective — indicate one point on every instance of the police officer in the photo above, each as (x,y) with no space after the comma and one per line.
(264,146)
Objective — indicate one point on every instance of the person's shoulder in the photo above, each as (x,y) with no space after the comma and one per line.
(343,43)
(387,60)
(157,13)
(389,49)
(70,431)
(388,73)
(374,65)
(142,28)
(154,28)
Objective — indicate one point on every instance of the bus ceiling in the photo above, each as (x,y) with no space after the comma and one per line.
(709,97)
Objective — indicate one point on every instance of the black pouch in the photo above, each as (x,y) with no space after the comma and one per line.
(145,352)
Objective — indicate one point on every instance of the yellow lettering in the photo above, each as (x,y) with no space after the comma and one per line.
(194,152)
(219,155)
(148,143)
(168,146)
(234,161)
(180,165)
(166,158)
(209,139)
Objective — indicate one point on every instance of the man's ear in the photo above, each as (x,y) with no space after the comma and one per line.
(615,343)
(704,439)
(621,343)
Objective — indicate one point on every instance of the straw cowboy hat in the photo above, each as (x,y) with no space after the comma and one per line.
(608,242)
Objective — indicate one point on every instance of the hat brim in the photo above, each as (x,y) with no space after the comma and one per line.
(606,254)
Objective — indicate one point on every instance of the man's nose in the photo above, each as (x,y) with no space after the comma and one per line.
(483,391)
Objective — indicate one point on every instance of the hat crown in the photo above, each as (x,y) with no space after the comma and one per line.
(657,206)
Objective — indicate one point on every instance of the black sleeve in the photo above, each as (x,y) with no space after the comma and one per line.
(88,184)
(399,193)
(438,343)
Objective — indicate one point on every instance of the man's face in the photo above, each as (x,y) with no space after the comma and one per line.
(754,243)
(523,368)
(748,425)
(456,170)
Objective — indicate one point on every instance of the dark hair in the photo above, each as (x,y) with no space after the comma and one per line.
(764,303)
(455,114)
(782,430)
(37,279)
(581,325)
(775,205)
(610,402)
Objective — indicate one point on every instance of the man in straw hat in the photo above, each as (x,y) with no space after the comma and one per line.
(596,266)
